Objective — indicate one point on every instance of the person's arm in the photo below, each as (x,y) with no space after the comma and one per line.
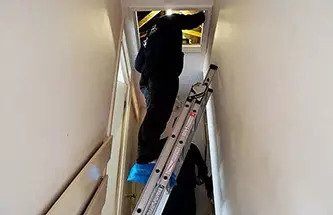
(191,21)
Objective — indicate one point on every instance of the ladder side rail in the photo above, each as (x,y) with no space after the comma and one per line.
(173,159)
(189,124)
(187,146)
(149,190)
(152,181)
(159,189)
(165,195)
(209,75)
(170,145)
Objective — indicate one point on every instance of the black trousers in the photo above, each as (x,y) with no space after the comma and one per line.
(160,98)
(181,201)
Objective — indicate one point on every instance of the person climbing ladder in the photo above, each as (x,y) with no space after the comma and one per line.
(160,63)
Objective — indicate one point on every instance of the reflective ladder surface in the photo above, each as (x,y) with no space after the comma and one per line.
(157,190)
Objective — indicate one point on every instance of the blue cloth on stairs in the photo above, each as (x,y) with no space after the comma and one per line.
(140,173)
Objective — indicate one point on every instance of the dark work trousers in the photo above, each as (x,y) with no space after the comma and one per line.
(160,98)
(181,201)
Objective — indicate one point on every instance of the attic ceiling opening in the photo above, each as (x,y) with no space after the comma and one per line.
(145,20)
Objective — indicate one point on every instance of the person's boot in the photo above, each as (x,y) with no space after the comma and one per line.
(142,169)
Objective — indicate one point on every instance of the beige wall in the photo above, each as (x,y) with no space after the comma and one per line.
(274,105)
(57,68)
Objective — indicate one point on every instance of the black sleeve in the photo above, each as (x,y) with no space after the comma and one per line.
(191,21)
(201,164)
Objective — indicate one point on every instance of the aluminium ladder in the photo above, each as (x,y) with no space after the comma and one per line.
(157,190)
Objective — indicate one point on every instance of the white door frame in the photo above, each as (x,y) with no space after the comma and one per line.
(130,106)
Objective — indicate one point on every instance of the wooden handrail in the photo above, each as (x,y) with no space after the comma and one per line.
(76,197)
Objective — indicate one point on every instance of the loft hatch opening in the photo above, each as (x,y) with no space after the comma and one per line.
(191,38)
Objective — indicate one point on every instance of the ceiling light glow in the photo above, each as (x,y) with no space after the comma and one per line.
(168,12)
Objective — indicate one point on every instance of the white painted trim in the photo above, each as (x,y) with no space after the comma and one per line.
(215,158)
(114,85)
(113,167)
(123,64)
(127,59)
(123,151)
(192,48)
(214,140)
(130,83)
(156,4)
(136,21)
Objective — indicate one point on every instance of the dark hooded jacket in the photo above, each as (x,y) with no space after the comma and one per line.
(162,57)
